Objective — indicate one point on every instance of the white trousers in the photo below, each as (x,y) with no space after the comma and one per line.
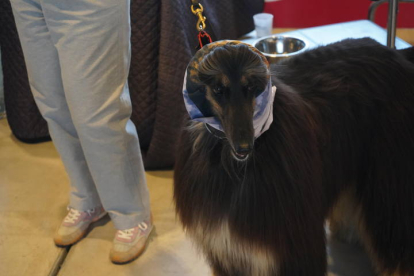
(77,54)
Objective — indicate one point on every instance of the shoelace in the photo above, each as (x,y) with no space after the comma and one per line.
(128,233)
(72,216)
(75,214)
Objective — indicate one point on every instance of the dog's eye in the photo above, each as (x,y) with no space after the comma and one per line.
(218,89)
(251,88)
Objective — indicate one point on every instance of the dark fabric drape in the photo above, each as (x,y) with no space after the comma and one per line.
(23,115)
(163,39)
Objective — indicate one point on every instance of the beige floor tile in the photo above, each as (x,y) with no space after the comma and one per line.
(33,196)
(169,251)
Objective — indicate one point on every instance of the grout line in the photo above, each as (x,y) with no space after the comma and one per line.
(59,261)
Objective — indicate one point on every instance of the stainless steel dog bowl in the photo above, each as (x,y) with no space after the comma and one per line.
(276,47)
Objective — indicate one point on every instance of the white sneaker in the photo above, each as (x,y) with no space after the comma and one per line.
(75,225)
(130,243)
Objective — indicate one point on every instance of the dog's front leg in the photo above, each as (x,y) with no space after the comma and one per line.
(305,254)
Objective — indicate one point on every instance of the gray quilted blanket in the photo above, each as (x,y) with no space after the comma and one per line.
(163,40)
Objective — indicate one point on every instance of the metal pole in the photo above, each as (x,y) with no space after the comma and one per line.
(373,8)
(392,23)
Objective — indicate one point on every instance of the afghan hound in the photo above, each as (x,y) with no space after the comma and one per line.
(259,171)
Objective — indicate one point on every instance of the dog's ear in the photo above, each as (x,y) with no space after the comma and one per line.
(196,89)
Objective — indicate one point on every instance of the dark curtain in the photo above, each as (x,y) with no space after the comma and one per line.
(163,39)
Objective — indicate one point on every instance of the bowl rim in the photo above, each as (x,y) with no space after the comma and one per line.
(284,36)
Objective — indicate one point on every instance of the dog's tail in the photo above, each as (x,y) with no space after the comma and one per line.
(408,53)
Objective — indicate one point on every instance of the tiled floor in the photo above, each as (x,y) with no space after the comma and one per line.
(33,199)
(169,252)
(33,194)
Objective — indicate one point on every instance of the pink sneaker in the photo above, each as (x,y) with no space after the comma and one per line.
(130,243)
(75,225)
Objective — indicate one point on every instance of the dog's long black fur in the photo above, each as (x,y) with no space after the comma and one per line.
(343,125)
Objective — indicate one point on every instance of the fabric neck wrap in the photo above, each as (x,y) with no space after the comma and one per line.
(199,108)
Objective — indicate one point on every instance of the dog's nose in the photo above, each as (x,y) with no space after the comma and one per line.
(243,149)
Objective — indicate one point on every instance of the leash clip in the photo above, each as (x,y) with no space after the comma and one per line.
(201,25)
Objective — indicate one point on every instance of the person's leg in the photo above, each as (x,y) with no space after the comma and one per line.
(92,39)
(44,73)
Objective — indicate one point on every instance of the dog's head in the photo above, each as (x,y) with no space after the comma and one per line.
(232,76)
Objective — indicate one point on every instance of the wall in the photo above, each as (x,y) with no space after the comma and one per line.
(309,13)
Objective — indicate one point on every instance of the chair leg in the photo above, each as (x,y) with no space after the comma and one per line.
(392,22)
(373,8)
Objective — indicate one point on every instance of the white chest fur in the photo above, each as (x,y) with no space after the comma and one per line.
(233,252)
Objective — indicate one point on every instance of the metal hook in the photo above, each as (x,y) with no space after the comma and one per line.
(201,25)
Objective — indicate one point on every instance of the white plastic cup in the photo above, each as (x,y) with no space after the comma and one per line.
(263,23)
